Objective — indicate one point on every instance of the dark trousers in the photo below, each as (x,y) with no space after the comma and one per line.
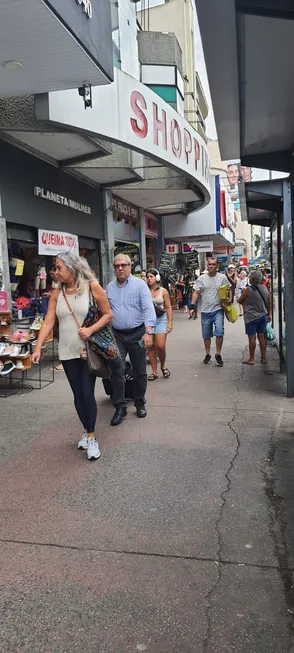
(82,384)
(128,343)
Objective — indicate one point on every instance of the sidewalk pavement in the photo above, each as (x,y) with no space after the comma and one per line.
(180,539)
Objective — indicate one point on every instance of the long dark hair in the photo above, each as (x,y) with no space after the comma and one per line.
(155,273)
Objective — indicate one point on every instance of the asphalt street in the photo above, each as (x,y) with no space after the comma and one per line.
(180,539)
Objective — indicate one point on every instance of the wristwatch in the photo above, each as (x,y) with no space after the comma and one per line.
(149,333)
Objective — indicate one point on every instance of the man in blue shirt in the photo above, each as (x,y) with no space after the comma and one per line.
(133,324)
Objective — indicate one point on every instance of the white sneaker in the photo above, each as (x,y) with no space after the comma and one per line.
(83,442)
(93,450)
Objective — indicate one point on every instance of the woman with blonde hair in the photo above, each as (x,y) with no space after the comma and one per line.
(164,323)
(78,291)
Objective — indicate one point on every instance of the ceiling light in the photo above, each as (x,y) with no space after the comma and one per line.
(13,65)
(72,149)
(47,134)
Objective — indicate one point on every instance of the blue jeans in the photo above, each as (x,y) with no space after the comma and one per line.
(210,320)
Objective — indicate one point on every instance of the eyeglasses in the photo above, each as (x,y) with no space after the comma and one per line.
(121,265)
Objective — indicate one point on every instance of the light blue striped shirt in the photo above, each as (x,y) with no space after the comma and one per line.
(131,304)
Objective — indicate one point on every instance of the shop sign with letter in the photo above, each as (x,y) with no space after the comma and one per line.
(52,243)
(198,246)
(4,301)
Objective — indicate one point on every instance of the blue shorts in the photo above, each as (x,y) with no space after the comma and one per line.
(161,324)
(210,320)
(256,326)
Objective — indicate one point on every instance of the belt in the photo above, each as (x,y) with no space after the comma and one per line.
(128,331)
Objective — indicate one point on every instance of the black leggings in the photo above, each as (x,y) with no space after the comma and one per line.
(82,384)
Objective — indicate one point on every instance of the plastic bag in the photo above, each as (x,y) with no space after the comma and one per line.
(224,292)
(270,335)
(230,313)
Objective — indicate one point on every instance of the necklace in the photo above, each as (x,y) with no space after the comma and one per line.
(71,291)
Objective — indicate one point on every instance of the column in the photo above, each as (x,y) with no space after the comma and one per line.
(289,284)
(107,246)
(4,262)
(142,239)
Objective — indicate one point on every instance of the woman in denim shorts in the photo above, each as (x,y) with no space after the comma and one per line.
(164,323)
(256,303)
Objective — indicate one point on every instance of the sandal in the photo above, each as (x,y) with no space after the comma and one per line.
(166,373)
(152,377)
(248,363)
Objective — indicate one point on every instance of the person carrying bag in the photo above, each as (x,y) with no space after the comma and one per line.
(229,309)
(102,353)
(81,301)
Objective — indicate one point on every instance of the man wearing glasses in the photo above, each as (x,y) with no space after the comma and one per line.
(133,325)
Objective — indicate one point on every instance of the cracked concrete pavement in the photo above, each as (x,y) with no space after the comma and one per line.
(179,539)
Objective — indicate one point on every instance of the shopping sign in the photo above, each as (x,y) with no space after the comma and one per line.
(4,301)
(52,243)
(199,246)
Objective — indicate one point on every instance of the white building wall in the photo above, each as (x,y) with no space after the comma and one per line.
(197,223)
(128,38)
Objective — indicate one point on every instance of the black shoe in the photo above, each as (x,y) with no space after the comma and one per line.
(118,416)
(141,411)
(207,359)
(219,360)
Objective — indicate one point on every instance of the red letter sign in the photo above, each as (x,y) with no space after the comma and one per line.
(196,152)
(187,144)
(140,130)
(159,126)
(176,147)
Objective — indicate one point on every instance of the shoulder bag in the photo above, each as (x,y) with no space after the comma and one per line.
(261,295)
(97,363)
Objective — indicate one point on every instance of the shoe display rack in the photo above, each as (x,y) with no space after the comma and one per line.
(17,342)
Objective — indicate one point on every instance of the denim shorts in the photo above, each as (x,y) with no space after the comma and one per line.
(210,320)
(256,326)
(161,324)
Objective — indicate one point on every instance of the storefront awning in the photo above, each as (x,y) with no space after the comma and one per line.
(249,48)
(263,201)
(48,45)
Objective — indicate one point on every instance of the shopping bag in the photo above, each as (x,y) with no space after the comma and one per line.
(270,335)
(224,292)
(230,313)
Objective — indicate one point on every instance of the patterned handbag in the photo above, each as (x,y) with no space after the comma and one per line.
(102,340)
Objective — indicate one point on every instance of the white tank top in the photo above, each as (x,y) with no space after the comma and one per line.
(70,344)
(159,300)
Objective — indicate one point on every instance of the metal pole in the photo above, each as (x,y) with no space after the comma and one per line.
(288,285)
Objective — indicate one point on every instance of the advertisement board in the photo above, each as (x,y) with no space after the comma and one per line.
(198,246)
(51,243)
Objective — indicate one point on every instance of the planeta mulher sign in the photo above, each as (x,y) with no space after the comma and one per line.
(50,196)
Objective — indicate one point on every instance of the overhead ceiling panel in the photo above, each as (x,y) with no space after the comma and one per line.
(51,58)
(267,85)
(56,145)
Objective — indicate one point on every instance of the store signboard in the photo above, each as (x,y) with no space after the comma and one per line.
(52,243)
(4,301)
(191,260)
(129,113)
(151,225)
(172,248)
(50,196)
(167,261)
(198,246)
(123,210)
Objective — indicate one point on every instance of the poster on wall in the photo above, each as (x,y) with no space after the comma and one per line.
(133,251)
(51,243)
(237,176)
(167,262)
